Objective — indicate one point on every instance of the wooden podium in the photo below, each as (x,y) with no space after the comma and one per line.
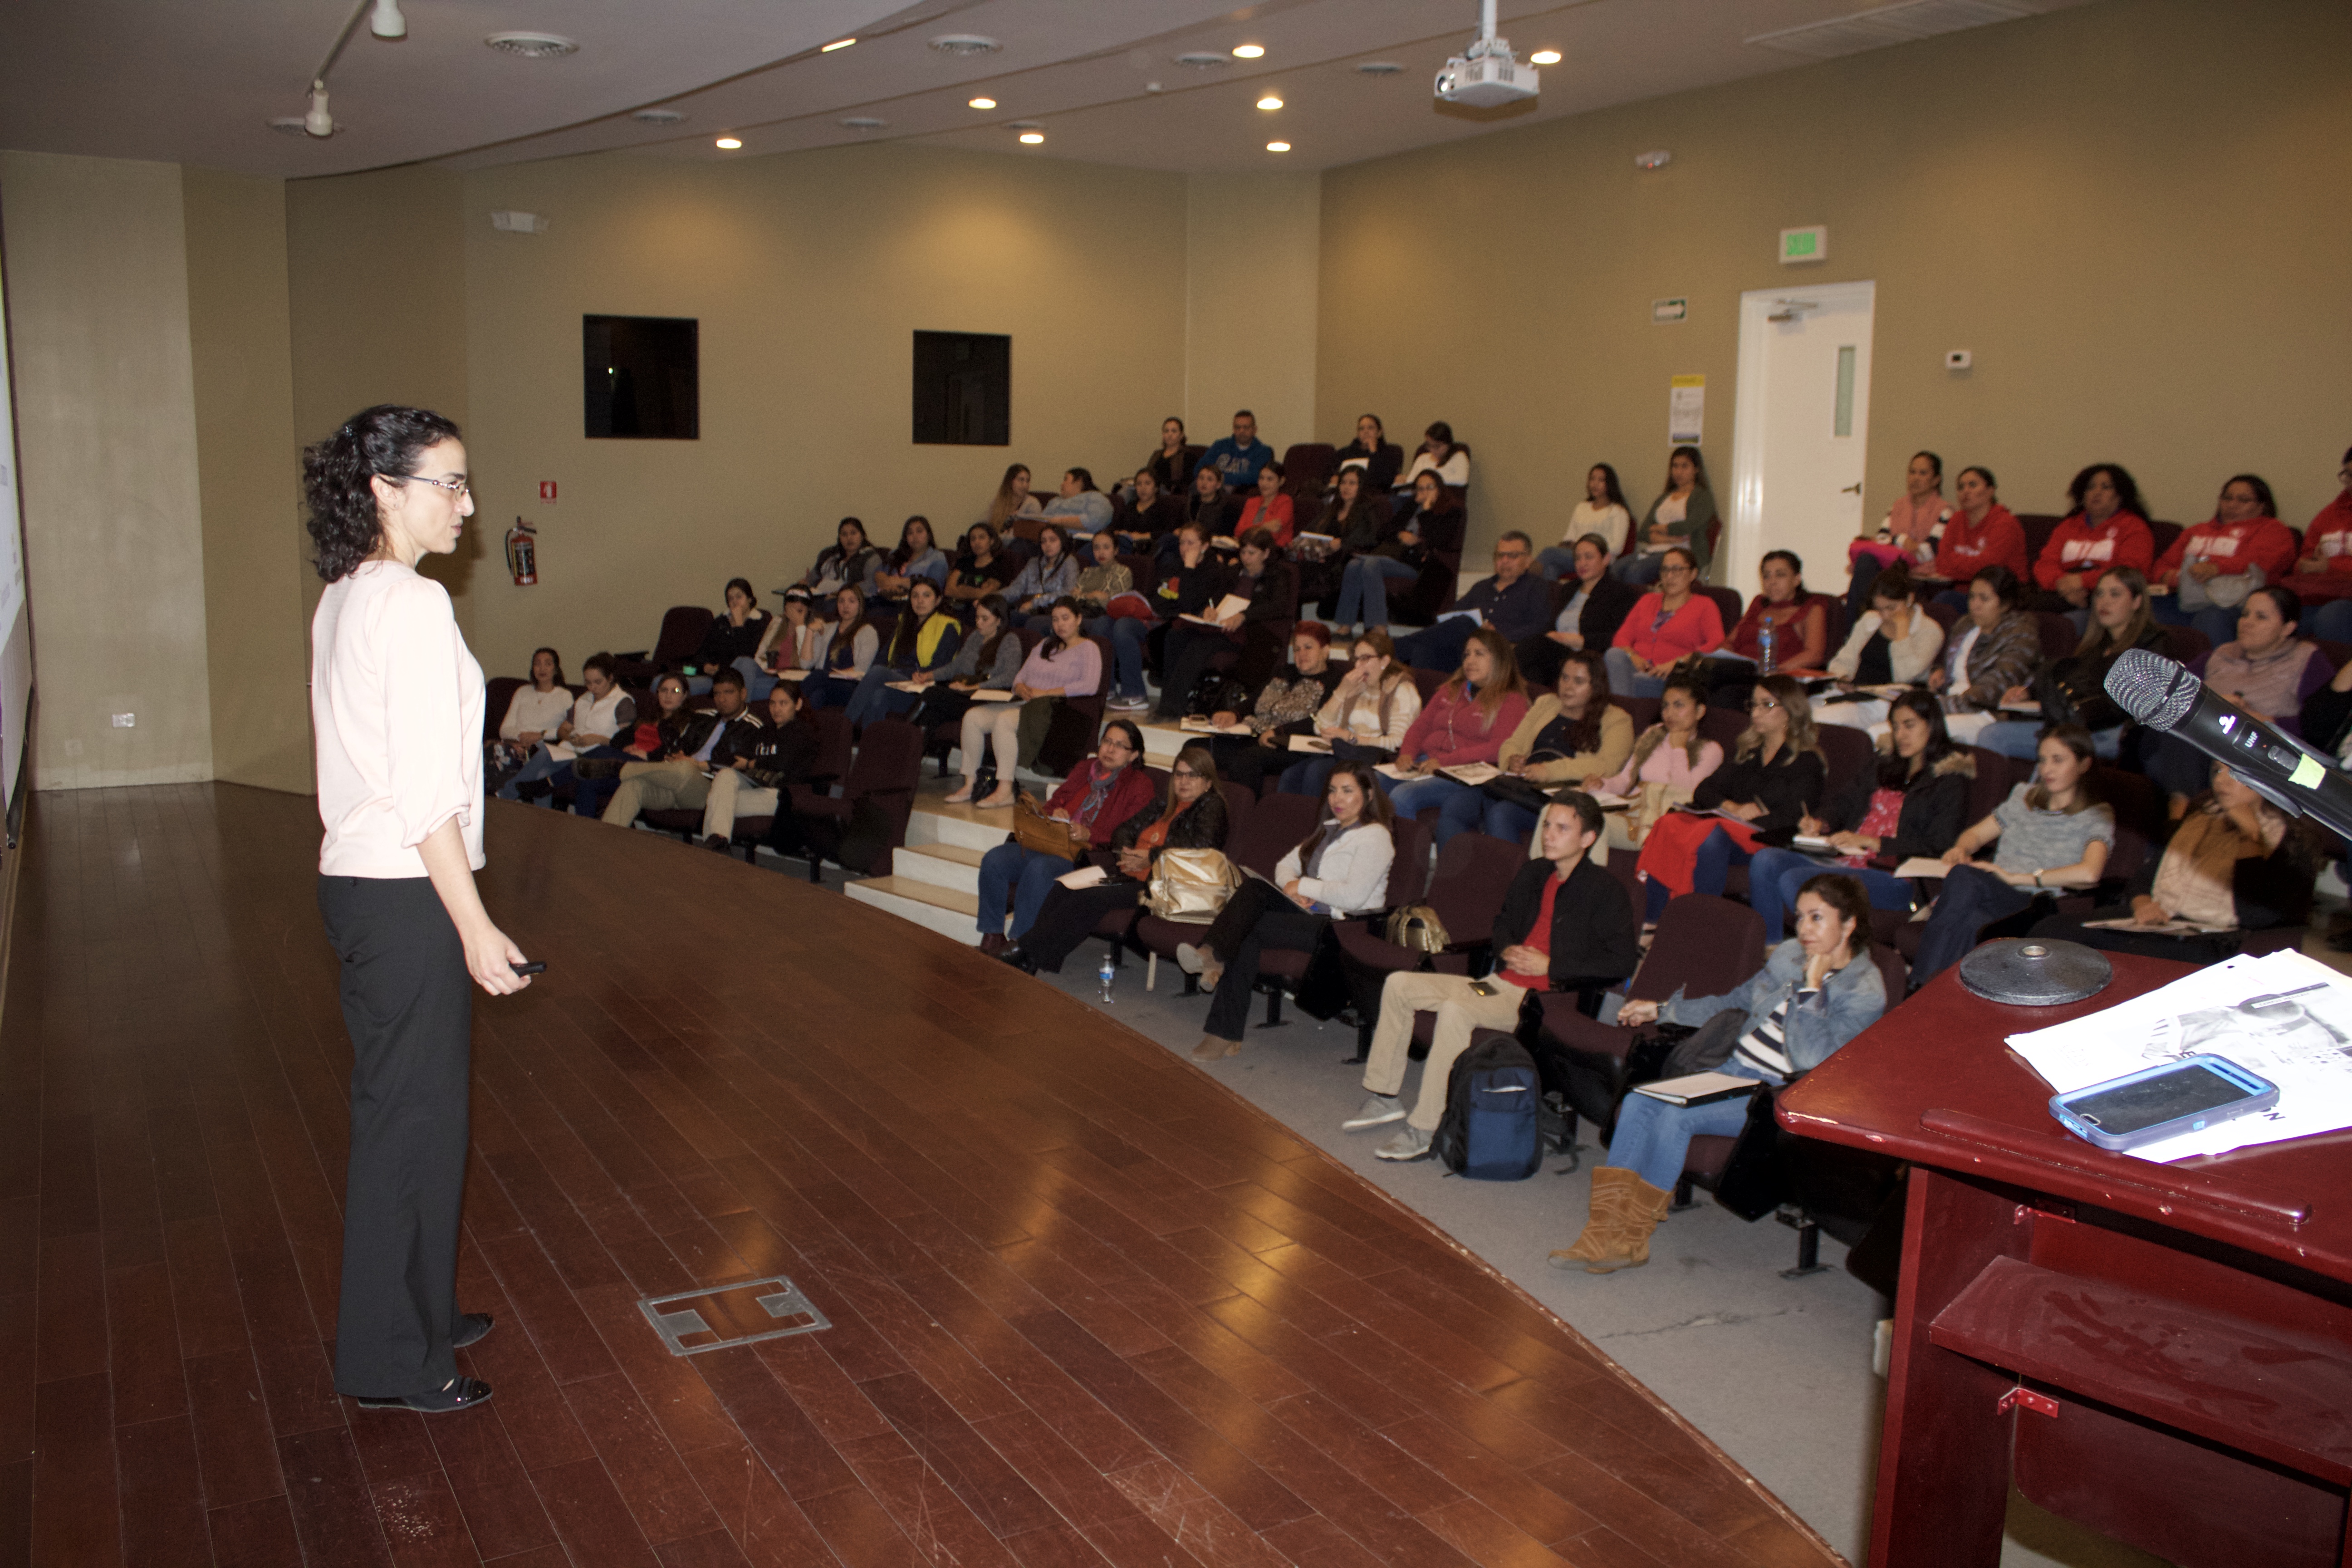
(2163,1352)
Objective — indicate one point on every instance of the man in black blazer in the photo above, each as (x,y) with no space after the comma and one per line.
(1587,609)
(1564,922)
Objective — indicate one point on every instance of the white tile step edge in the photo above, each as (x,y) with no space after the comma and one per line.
(954,866)
(946,911)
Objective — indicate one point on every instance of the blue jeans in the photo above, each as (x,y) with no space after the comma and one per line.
(1414,796)
(1023,875)
(874,699)
(1775,876)
(1718,854)
(1653,1138)
(1638,569)
(1556,562)
(822,691)
(1127,636)
(1364,590)
(1472,812)
(2015,737)
(1438,648)
(1624,682)
(1973,897)
(2330,622)
(1311,777)
(544,765)
(2220,625)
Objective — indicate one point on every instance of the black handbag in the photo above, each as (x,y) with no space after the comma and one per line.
(2065,702)
(1755,1179)
(1514,790)
(1324,992)
(1357,751)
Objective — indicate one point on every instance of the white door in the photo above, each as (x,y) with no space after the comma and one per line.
(1800,431)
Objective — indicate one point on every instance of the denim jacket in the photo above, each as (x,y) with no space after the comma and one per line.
(1849,1002)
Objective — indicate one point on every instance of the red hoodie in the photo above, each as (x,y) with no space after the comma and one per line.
(1967,549)
(2262,541)
(2329,540)
(2079,548)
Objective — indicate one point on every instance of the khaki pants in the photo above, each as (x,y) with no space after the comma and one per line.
(733,795)
(656,786)
(1459,1010)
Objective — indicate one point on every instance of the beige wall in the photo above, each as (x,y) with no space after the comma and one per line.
(2132,213)
(1253,244)
(114,555)
(809,274)
(250,480)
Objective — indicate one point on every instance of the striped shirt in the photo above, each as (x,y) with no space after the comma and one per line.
(1764,1049)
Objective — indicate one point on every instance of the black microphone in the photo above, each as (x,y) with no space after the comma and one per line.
(2163,696)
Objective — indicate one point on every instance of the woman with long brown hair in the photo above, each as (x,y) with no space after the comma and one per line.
(1465,724)
(1365,718)
(1774,776)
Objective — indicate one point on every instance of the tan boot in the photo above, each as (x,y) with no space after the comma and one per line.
(1607,1215)
(1639,1208)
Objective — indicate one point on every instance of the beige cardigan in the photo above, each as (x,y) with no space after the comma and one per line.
(1616,745)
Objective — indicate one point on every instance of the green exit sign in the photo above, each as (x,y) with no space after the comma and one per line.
(1804,244)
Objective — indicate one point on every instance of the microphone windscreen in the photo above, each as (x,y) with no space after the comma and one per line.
(2151,687)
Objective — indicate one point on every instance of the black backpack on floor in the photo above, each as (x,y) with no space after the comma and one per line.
(1490,1131)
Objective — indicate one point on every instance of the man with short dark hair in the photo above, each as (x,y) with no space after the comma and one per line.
(1565,923)
(682,777)
(1516,601)
(1239,456)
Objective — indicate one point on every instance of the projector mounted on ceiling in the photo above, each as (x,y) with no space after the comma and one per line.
(1486,75)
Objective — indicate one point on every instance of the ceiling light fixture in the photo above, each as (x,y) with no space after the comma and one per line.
(1032,138)
(1378,68)
(836,44)
(319,121)
(1544,57)
(728,143)
(965,44)
(1269,101)
(982,104)
(532,45)
(657,116)
(387,22)
(1278,146)
(864,122)
(1249,51)
(1200,61)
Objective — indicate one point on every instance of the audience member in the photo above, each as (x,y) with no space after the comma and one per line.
(1341,870)
(532,714)
(1284,707)
(980,571)
(1774,777)
(2074,689)
(1515,602)
(1667,624)
(1987,656)
(1800,622)
(1369,715)
(1188,585)
(1911,535)
(1350,519)
(922,640)
(1237,457)
(1668,762)
(1680,516)
(2268,671)
(2235,864)
(2108,527)
(1190,817)
(848,562)
(1397,553)
(1375,459)
(790,642)
(1467,720)
(1268,508)
(678,778)
(1107,789)
(1596,606)
(1894,644)
(735,635)
(1602,514)
(762,765)
(1982,533)
(916,556)
(1251,632)
(1012,502)
(2206,573)
(1207,507)
(1565,925)
(844,650)
(1571,734)
(1171,466)
(601,718)
(1080,508)
(2054,833)
(1063,663)
(1913,808)
(2328,541)
(989,660)
(1146,514)
(1126,625)
(1438,454)
(1050,575)
(1816,992)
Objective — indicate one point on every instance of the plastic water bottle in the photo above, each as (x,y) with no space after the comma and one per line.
(1106,973)
(1764,647)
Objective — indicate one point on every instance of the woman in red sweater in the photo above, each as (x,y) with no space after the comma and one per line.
(1467,720)
(1982,533)
(2212,567)
(1800,624)
(1664,625)
(2108,527)
(2328,552)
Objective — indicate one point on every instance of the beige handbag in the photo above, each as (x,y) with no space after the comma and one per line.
(1656,800)
(1191,885)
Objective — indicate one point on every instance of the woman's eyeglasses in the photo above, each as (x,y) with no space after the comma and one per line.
(1758,704)
(457,487)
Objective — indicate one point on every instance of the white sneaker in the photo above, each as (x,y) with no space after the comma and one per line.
(1127,705)
(1378,1110)
(1188,958)
(1410,1143)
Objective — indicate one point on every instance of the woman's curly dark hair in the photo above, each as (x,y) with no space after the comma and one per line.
(384,439)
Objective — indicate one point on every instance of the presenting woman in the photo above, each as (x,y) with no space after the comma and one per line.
(1341,870)
(396,707)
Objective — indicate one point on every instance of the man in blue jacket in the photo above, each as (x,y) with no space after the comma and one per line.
(1239,456)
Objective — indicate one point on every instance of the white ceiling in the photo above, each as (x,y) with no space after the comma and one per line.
(196,81)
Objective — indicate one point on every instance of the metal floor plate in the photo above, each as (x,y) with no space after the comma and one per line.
(692,1322)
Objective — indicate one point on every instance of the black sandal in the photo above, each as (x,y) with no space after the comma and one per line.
(460,1394)
(470,1328)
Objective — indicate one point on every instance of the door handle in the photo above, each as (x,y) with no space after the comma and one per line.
(1853,489)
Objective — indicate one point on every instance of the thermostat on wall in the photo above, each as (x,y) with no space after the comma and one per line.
(1959,359)
(508,221)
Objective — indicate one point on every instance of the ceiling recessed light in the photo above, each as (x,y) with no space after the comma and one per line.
(965,44)
(1380,67)
(727,143)
(864,122)
(836,44)
(532,45)
(1249,51)
(1544,57)
(657,116)
(1031,138)
(1269,101)
(983,103)
(1200,61)
(1278,146)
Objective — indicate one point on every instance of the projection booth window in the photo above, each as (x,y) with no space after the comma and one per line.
(963,389)
(640,377)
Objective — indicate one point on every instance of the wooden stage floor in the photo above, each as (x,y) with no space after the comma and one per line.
(1086,1306)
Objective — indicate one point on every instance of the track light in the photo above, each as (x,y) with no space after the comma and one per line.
(387,22)
(318,123)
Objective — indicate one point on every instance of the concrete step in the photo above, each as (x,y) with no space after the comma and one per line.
(946,910)
(964,826)
(955,867)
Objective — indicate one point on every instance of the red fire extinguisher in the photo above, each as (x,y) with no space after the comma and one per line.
(522,553)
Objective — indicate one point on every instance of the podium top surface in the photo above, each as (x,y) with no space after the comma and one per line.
(1934,1082)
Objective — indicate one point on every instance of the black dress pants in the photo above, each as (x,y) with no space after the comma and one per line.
(1258,916)
(408,1004)
(1069,917)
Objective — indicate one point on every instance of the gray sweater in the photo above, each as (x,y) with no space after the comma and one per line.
(999,675)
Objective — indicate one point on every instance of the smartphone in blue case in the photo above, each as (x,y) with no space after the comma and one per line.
(2158,1102)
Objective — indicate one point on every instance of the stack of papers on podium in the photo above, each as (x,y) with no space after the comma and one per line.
(2283,1015)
